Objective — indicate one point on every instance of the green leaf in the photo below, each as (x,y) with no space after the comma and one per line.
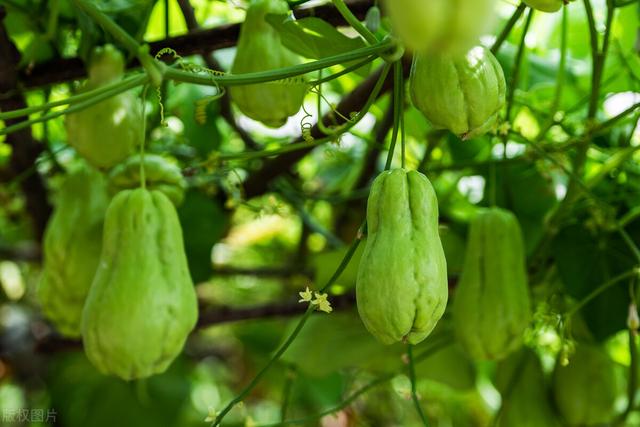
(313,38)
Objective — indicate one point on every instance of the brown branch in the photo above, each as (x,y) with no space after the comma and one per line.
(219,315)
(25,251)
(201,42)
(50,342)
(25,149)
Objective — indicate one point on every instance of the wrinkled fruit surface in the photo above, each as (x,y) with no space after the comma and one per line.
(72,245)
(402,287)
(142,304)
(260,49)
(461,93)
(492,307)
(586,389)
(160,174)
(520,379)
(439,26)
(107,132)
(545,5)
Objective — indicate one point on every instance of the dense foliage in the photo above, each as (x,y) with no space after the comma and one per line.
(319,212)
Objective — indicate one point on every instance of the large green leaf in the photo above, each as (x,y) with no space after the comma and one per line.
(313,38)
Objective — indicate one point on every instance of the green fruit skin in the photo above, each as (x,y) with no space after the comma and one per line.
(260,49)
(142,304)
(586,389)
(545,5)
(72,245)
(492,307)
(402,287)
(461,93)
(106,133)
(160,174)
(440,26)
(525,399)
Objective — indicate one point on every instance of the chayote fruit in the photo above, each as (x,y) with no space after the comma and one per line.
(71,250)
(586,389)
(545,5)
(142,304)
(440,26)
(106,133)
(402,286)
(492,307)
(260,49)
(462,93)
(160,174)
(525,400)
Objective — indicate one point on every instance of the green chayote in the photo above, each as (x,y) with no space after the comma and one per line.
(260,49)
(142,303)
(492,307)
(72,245)
(402,286)
(585,390)
(545,5)
(440,26)
(461,93)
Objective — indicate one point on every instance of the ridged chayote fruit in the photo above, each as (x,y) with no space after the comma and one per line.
(525,399)
(160,174)
(72,245)
(402,286)
(545,5)
(142,304)
(462,93)
(260,49)
(586,389)
(107,132)
(492,307)
(451,26)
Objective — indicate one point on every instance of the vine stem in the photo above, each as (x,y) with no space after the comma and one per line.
(414,393)
(502,37)
(562,65)
(606,285)
(515,75)
(127,82)
(278,74)
(77,106)
(398,83)
(154,68)
(109,25)
(143,180)
(354,22)
(346,70)
(286,391)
